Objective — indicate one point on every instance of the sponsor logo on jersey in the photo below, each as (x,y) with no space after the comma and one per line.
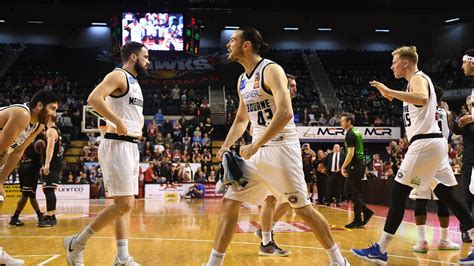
(253,107)
(256,81)
(135,101)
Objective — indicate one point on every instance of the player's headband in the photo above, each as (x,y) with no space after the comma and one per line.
(468,58)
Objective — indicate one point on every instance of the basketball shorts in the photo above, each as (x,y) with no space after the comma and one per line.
(273,170)
(29,174)
(426,165)
(119,161)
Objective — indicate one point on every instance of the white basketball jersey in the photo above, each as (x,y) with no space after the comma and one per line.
(129,106)
(442,119)
(261,106)
(25,133)
(421,120)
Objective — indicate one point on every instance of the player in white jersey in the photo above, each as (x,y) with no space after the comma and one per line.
(273,161)
(19,125)
(271,213)
(119,99)
(422,195)
(425,163)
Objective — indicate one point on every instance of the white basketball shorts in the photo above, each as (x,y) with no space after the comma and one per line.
(275,170)
(119,161)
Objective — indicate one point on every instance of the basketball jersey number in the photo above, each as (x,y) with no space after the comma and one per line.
(261,119)
(407,119)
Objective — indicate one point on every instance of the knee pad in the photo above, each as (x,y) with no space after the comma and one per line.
(443,210)
(420,207)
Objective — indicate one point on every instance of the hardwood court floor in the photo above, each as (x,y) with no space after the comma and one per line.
(181,233)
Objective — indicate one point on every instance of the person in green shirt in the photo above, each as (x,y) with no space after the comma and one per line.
(353,169)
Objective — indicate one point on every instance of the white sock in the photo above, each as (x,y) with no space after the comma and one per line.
(216,258)
(266,237)
(122,249)
(384,241)
(335,255)
(85,235)
(421,232)
(444,234)
(273,225)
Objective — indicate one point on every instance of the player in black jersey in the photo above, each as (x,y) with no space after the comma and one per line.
(29,172)
(50,171)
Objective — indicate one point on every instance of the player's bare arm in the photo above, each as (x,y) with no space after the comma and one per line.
(113,84)
(51,137)
(417,94)
(14,157)
(14,121)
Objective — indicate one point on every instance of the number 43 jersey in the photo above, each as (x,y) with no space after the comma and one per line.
(260,105)
(421,119)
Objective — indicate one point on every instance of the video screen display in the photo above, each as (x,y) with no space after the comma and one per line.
(157,31)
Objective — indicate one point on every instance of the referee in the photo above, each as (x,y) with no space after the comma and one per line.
(353,169)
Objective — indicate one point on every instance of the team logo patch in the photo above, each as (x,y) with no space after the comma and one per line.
(132,80)
(242,84)
(415,180)
(293,199)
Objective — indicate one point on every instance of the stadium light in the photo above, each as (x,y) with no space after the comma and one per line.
(99,24)
(451,20)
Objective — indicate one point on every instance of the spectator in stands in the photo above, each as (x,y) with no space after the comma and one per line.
(159,118)
(149,175)
(322,120)
(70,178)
(176,95)
(206,141)
(84,179)
(206,158)
(209,127)
(152,131)
(167,127)
(187,173)
(197,191)
(212,177)
(200,176)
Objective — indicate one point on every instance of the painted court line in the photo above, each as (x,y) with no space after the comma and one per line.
(385,218)
(233,242)
(48,260)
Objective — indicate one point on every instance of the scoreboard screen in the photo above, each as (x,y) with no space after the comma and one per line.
(192,36)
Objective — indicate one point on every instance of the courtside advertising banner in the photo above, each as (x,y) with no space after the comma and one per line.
(337,134)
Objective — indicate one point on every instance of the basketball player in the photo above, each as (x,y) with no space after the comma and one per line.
(422,195)
(119,99)
(271,213)
(273,160)
(468,68)
(51,170)
(29,172)
(353,169)
(20,124)
(425,163)
(465,127)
